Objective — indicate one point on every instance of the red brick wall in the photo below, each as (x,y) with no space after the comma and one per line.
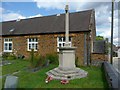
(78,41)
(99,57)
(47,44)
(0,44)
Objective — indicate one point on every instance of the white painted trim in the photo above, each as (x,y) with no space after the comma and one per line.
(8,42)
(31,44)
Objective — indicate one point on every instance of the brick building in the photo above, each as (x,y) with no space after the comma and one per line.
(45,34)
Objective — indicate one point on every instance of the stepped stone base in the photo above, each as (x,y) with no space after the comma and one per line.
(60,74)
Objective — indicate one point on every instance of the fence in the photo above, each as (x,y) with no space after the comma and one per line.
(112,75)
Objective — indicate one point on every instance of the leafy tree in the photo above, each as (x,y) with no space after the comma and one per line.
(99,38)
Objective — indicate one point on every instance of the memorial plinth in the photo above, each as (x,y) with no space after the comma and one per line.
(67,68)
(67,58)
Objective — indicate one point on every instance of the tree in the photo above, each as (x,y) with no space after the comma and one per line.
(99,38)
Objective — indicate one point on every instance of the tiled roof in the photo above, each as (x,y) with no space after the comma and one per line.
(99,47)
(79,21)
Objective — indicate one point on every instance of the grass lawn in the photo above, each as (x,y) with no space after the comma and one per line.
(95,78)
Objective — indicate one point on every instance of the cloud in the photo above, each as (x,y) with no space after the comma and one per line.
(103,19)
(7,15)
(60,4)
(1,10)
(105,29)
(74,4)
(55,4)
(12,16)
(59,0)
(104,32)
(116,41)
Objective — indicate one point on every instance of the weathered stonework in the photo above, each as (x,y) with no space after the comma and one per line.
(99,57)
(47,43)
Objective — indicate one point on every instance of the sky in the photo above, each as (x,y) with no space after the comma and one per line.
(13,10)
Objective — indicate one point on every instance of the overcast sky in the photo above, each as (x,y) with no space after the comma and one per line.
(14,10)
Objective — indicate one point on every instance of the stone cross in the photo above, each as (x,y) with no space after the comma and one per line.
(67,26)
(67,69)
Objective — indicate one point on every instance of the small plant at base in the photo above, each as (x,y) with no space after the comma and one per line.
(76,62)
(36,61)
(53,57)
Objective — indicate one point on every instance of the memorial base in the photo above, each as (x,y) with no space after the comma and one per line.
(67,69)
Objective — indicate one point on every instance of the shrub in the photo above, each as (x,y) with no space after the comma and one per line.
(32,58)
(36,61)
(42,60)
(5,55)
(53,57)
(76,62)
(9,56)
(39,61)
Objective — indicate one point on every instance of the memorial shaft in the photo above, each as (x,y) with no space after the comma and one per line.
(66,26)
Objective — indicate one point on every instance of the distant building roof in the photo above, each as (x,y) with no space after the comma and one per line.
(79,21)
(99,47)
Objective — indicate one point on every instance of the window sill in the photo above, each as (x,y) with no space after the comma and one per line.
(8,51)
(30,50)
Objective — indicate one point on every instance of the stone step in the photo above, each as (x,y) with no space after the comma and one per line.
(60,74)
(76,70)
(67,74)
(56,76)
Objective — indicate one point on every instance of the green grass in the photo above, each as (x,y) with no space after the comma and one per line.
(95,78)
(14,67)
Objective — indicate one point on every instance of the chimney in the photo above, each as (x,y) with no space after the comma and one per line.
(67,26)
(58,15)
(11,30)
(18,20)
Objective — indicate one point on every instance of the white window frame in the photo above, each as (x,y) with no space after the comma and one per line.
(32,43)
(62,42)
(8,41)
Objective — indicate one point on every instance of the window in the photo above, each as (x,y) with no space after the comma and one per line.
(61,42)
(32,44)
(7,45)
